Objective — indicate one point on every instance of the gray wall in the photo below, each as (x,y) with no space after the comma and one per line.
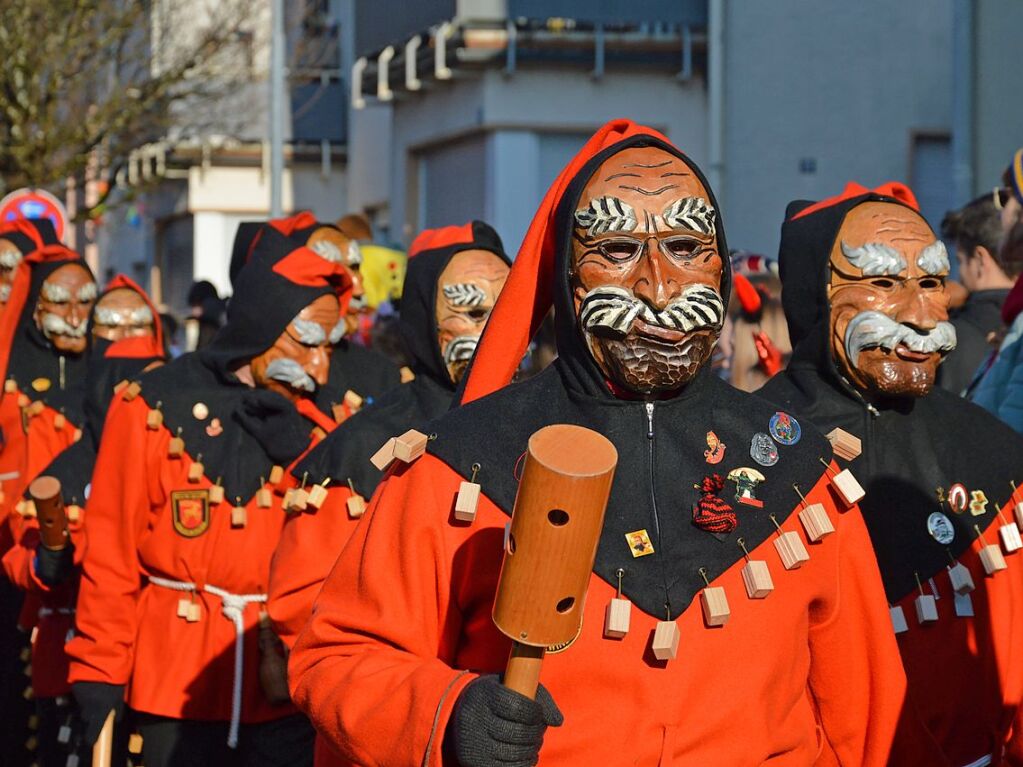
(840,84)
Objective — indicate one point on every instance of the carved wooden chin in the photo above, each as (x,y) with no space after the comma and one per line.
(646,366)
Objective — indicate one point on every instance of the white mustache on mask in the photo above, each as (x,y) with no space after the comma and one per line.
(290,372)
(55,325)
(460,349)
(868,330)
(613,309)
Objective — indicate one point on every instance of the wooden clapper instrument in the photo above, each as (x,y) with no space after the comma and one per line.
(550,546)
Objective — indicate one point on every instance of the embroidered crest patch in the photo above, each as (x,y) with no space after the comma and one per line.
(190,511)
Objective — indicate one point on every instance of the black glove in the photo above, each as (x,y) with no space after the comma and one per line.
(95,700)
(493,726)
(54,566)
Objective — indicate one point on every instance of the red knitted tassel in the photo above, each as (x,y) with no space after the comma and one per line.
(711,513)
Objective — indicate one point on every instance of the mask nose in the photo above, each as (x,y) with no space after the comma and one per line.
(648,277)
(318,365)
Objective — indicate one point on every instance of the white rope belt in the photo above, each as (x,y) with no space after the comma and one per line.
(232,606)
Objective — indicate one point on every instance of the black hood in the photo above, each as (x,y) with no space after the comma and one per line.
(428,257)
(911,446)
(661,443)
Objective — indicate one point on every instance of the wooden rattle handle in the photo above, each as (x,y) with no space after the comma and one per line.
(50,513)
(522,673)
(102,751)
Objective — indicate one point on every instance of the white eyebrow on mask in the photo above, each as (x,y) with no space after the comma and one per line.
(934,259)
(875,259)
(464,294)
(607,214)
(693,213)
(308,332)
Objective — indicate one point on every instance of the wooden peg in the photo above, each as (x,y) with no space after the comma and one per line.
(468,498)
(196,469)
(318,494)
(264,499)
(714,602)
(845,445)
(898,617)
(355,504)
(990,555)
(59,421)
(131,391)
(666,639)
(849,490)
(407,376)
(276,474)
(410,445)
(176,446)
(790,547)
(618,614)
(353,401)
(216,492)
(154,418)
(10,386)
(815,519)
(925,604)
(383,457)
(239,516)
(755,575)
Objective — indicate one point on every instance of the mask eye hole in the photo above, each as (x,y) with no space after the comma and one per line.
(883,282)
(620,250)
(478,314)
(683,248)
(932,283)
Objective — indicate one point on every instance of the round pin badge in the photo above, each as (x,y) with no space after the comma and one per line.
(200,411)
(785,429)
(941,529)
(763,450)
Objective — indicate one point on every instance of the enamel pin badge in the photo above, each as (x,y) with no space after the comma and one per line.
(715,448)
(639,543)
(785,429)
(763,450)
(746,481)
(941,529)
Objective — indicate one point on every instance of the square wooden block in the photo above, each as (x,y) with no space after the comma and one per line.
(239,516)
(757,578)
(961,579)
(317,495)
(36,408)
(898,619)
(276,474)
(353,400)
(849,490)
(299,500)
(183,607)
(616,618)
(134,743)
(154,419)
(791,550)
(356,506)
(1018,511)
(1009,533)
(992,559)
(131,391)
(466,501)
(74,513)
(666,639)
(410,445)
(10,386)
(216,494)
(715,606)
(846,446)
(264,498)
(175,447)
(926,609)
(59,422)
(195,471)
(383,457)
(194,612)
(816,522)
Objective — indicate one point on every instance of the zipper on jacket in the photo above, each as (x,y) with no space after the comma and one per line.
(652,487)
(62,377)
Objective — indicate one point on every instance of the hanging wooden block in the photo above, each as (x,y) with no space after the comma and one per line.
(1018,510)
(467,501)
(299,500)
(816,522)
(36,408)
(194,612)
(64,734)
(356,506)
(318,433)
(135,743)
(25,655)
(264,498)
(353,401)
(666,639)
(383,457)
(59,422)
(926,609)
(407,376)
(715,606)
(184,604)
(849,490)
(29,693)
(23,400)
(176,446)
(216,494)
(757,578)
(337,410)
(28,509)
(72,760)
(992,559)
(74,513)
(410,445)
(845,445)
(289,495)
(276,475)
(317,495)
(1009,533)
(10,386)
(131,391)
(32,743)
(961,579)
(239,516)
(195,471)
(120,385)
(898,619)
(963,605)
(617,617)
(77,435)
(154,419)
(791,549)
